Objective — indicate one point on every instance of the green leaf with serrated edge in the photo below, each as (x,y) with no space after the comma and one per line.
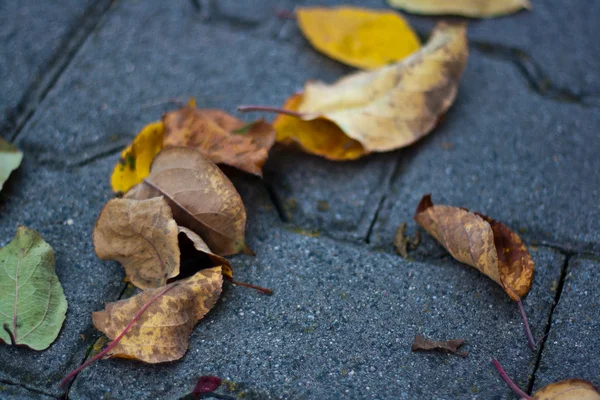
(10,159)
(32,301)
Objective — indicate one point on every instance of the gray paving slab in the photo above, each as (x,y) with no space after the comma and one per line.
(571,347)
(340,325)
(31,34)
(10,392)
(62,206)
(508,153)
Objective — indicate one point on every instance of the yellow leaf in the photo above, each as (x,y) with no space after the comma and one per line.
(466,8)
(135,161)
(319,136)
(359,37)
(569,389)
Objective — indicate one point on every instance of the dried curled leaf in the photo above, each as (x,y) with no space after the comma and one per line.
(568,389)
(32,302)
(480,242)
(202,247)
(10,159)
(466,8)
(201,197)
(450,346)
(380,110)
(357,36)
(134,164)
(161,332)
(142,236)
(220,137)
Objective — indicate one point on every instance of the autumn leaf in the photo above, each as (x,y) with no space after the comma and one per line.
(449,346)
(10,159)
(568,389)
(32,302)
(380,110)
(161,332)
(480,242)
(142,236)
(134,164)
(359,37)
(466,8)
(201,246)
(220,137)
(201,197)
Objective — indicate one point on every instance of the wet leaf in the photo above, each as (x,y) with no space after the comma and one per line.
(134,164)
(466,8)
(32,301)
(10,159)
(380,110)
(201,197)
(480,242)
(220,137)
(202,247)
(568,389)
(142,236)
(450,346)
(359,37)
(161,332)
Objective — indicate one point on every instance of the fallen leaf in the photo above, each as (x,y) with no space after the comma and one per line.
(32,301)
(466,8)
(134,164)
(142,236)
(203,248)
(380,110)
(201,197)
(403,242)
(207,384)
(450,346)
(161,332)
(480,242)
(10,159)
(220,137)
(359,37)
(568,389)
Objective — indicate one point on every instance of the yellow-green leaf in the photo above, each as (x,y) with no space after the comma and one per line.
(10,159)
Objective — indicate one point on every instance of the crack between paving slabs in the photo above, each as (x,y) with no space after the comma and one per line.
(28,388)
(563,275)
(75,38)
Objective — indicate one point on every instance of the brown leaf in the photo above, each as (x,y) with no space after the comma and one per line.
(480,242)
(201,197)
(568,389)
(202,247)
(161,332)
(402,242)
(220,137)
(450,346)
(142,236)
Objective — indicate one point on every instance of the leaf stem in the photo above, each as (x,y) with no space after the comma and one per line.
(98,356)
(10,334)
(509,381)
(530,339)
(260,289)
(270,109)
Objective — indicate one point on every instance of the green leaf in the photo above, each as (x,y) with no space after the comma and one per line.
(10,159)
(32,301)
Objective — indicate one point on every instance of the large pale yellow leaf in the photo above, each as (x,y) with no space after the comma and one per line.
(142,236)
(134,164)
(160,333)
(466,8)
(356,36)
(569,389)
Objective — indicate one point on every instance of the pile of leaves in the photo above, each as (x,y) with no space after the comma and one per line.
(172,198)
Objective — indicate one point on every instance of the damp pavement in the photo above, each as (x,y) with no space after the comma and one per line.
(80,78)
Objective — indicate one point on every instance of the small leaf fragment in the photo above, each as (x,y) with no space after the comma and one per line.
(161,333)
(32,302)
(450,346)
(142,236)
(465,8)
(10,159)
(202,247)
(402,242)
(207,384)
(480,242)
(135,161)
(201,197)
(359,37)
(220,137)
